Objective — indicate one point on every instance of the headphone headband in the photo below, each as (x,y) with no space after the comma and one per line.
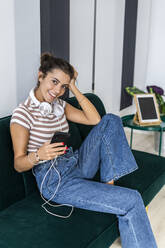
(45,107)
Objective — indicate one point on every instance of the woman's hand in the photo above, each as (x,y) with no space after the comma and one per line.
(73,80)
(50,151)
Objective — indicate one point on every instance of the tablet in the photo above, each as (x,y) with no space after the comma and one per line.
(147,109)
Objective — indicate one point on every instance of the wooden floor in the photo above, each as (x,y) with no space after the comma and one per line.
(156,213)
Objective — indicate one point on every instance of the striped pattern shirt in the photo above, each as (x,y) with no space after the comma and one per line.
(41,128)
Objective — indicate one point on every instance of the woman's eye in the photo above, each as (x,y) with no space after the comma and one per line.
(55,82)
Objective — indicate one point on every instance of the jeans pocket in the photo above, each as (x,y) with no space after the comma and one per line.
(66,165)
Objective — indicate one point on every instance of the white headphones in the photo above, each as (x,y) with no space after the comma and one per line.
(47,108)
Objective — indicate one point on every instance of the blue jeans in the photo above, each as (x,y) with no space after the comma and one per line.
(106,148)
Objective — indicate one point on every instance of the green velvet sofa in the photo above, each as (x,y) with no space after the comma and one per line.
(24,223)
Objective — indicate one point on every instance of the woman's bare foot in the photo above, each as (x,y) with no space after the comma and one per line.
(111,182)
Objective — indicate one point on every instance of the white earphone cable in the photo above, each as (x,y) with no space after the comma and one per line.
(48,201)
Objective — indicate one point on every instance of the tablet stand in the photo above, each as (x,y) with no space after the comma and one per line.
(136,120)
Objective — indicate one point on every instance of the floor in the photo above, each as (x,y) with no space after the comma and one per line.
(145,142)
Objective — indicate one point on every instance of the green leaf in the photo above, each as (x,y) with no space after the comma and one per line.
(133,90)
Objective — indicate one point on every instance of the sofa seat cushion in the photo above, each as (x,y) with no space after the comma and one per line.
(149,178)
(26,224)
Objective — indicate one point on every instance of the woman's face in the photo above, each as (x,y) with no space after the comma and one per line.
(51,86)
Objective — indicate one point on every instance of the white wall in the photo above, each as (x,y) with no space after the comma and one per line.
(109,51)
(20,48)
(27,34)
(109,42)
(109,48)
(7,61)
(20,51)
(150,46)
(142,42)
(81,41)
(156,58)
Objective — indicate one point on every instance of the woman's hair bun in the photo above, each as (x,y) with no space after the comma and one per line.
(47,59)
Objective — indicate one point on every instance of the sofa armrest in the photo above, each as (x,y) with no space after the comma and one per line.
(11,182)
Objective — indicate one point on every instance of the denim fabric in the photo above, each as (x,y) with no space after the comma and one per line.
(106,148)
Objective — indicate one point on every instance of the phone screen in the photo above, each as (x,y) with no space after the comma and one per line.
(60,137)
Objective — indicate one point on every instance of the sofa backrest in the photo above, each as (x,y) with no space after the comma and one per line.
(13,185)
(85,129)
(11,182)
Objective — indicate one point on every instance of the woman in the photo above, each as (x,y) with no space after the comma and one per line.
(61,174)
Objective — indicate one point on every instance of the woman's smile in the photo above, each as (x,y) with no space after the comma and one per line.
(52,95)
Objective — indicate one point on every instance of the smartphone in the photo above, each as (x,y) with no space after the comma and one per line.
(60,137)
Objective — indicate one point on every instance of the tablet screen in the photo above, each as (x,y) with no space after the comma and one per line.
(147,108)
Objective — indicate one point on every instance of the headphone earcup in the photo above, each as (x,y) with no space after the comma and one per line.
(45,108)
(58,109)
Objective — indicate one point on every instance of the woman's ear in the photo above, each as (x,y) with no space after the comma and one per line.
(40,75)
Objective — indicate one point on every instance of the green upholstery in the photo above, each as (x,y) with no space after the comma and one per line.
(149,178)
(75,139)
(11,182)
(33,227)
(24,223)
(84,129)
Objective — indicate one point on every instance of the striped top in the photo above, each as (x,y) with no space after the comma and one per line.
(41,128)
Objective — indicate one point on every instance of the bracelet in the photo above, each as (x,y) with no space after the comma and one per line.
(28,156)
(37,156)
(37,159)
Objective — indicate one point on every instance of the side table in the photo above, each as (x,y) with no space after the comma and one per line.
(128,122)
